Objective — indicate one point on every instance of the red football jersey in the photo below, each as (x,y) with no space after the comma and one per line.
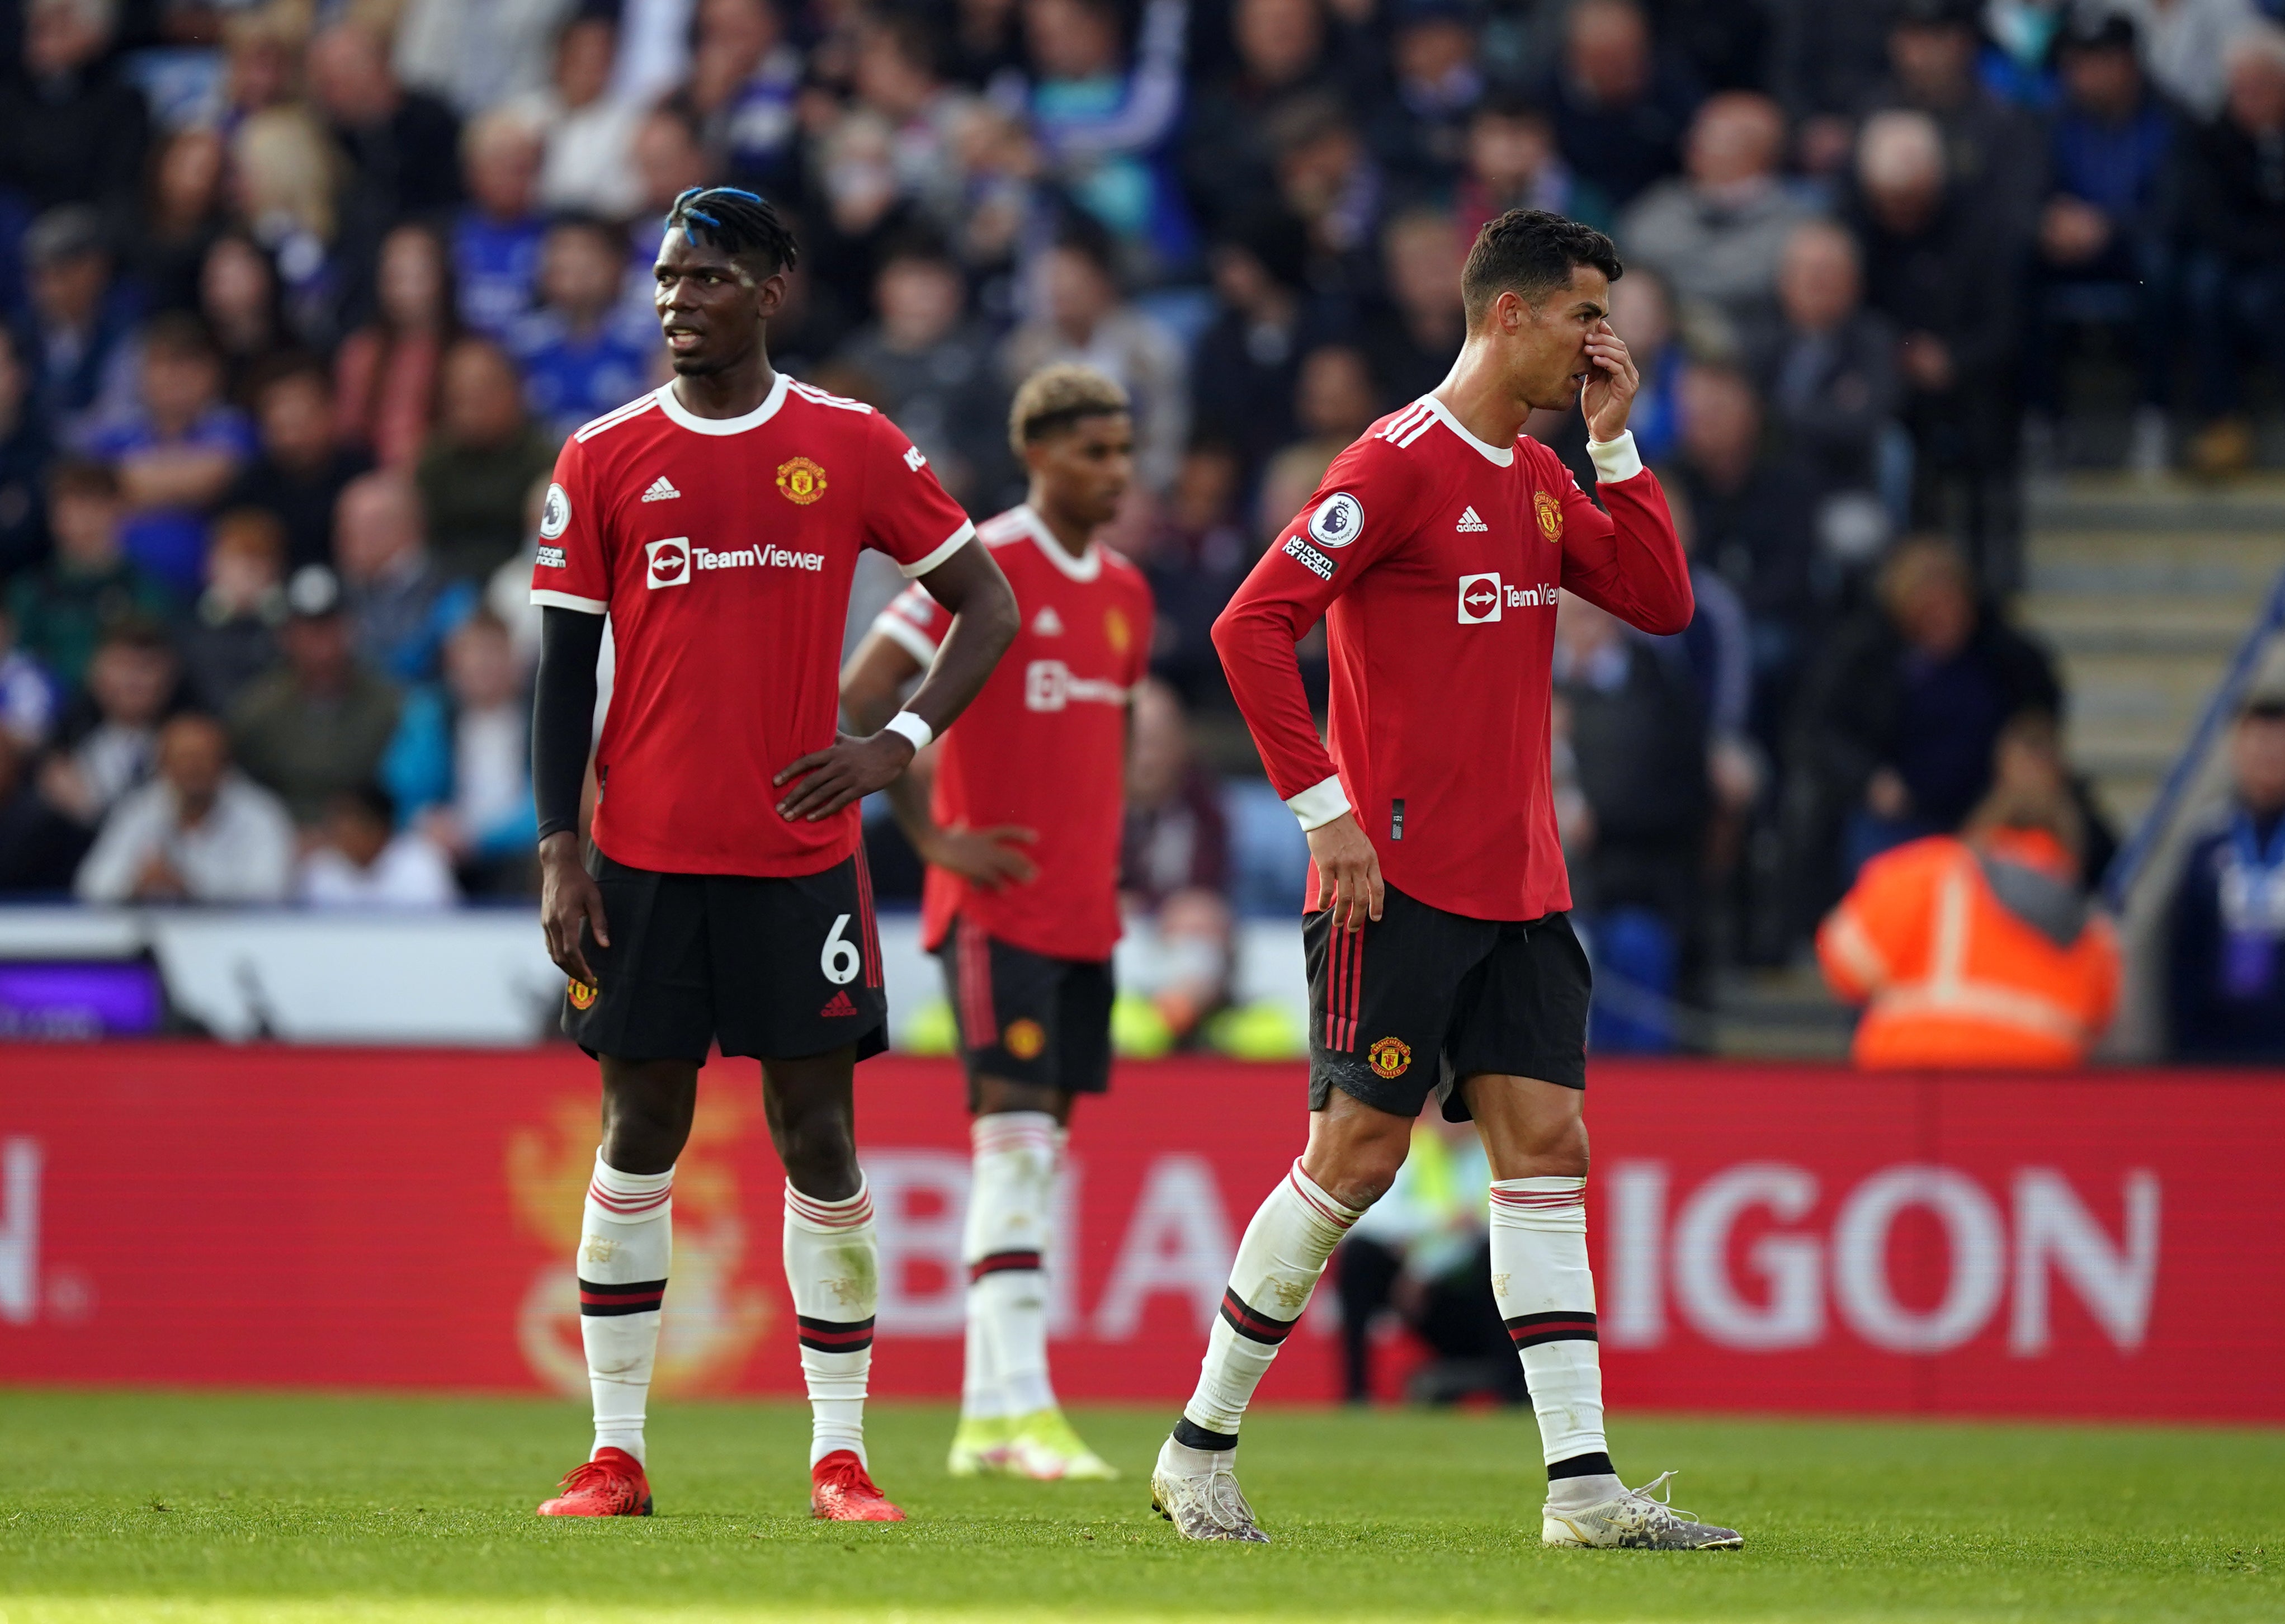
(1044,746)
(1434,560)
(722,550)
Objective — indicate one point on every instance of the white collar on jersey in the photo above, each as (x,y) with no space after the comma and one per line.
(1503,455)
(682,416)
(1086,567)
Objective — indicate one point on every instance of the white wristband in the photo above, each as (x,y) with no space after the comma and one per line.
(909,726)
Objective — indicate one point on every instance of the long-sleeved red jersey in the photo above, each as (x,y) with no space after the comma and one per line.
(1435,559)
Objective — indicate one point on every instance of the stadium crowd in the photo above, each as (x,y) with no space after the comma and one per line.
(302,295)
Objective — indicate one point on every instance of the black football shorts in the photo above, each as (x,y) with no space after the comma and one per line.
(1025,1016)
(774,968)
(1422,999)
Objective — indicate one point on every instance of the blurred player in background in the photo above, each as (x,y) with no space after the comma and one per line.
(724,896)
(1021,837)
(1434,551)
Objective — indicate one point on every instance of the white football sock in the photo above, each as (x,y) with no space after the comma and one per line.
(1546,1294)
(626,1240)
(1004,1247)
(1278,1262)
(833,1266)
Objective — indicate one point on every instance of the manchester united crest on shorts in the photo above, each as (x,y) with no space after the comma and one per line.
(582,995)
(1024,1038)
(1550,511)
(800,481)
(1390,1056)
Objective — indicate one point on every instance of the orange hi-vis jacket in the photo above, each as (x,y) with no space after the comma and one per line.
(1952,975)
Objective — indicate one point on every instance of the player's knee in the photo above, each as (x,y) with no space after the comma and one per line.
(1360,1172)
(818,1149)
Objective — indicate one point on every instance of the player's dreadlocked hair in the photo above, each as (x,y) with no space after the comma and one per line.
(741,223)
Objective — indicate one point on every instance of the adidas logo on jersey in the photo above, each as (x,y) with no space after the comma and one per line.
(660,491)
(1469,522)
(838,1005)
(1047,622)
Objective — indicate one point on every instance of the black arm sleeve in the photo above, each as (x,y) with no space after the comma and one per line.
(564,714)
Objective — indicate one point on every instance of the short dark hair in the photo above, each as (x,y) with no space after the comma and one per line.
(741,223)
(367,800)
(70,476)
(1530,253)
(181,334)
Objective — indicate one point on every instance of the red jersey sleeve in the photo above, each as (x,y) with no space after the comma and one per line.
(907,514)
(915,623)
(572,569)
(1361,510)
(1627,561)
(1141,633)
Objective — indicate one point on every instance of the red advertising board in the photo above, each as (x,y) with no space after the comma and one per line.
(1766,1238)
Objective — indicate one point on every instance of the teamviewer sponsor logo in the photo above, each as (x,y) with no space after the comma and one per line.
(1049,685)
(670,562)
(1480,597)
(760,558)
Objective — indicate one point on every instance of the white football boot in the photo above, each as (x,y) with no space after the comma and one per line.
(1203,1504)
(1634,1520)
(1041,1446)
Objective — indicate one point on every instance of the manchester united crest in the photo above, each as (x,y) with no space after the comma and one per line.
(800,481)
(1024,1038)
(1116,632)
(1390,1057)
(1550,511)
(582,996)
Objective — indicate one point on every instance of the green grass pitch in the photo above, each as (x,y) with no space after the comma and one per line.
(202,1508)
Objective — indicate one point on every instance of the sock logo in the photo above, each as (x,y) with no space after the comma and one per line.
(838,1005)
(1390,1056)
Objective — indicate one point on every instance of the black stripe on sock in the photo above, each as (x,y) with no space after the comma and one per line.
(1000,1262)
(1252,1323)
(1569,1325)
(835,1335)
(1595,1465)
(1191,1435)
(605,1299)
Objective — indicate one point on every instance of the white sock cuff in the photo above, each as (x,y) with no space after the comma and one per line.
(630,1197)
(1323,1209)
(1539,1204)
(829,1217)
(1013,1130)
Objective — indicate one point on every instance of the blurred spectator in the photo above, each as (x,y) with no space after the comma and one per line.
(401,607)
(1333,403)
(24,451)
(1174,866)
(2226,967)
(77,341)
(1421,1254)
(1827,369)
(1083,319)
(745,85)
(933,369)
(1412,343)
(244,308)
(1753,525)
(1717,234)
(1980,951)
(72,128)
(300,466)
(1939,271)
(468,761)
(1101,119)
(1422,133)
(1227,164)
(1620,110)
(1825,63)
(402,146)
(110,738)
(1642,312)
(2185,44)
(474,57)
(1995,154)
(1896,720)
(1197,554)
(1328,179)
(187,210)
(580,354)
(199,832)
(385,374)
(496,236)
(895,75)
(232,636)
(1639,744)
(62,609)
(2234,204)
(321,723)
(986,41)
(1245,364)
(588,166)
(1513,163)
(286,180)
(359,858)
(176,452)
(40,848)
(2103,248)
(29,698)
(479,461)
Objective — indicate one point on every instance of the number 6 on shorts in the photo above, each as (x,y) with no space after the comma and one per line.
(840,959)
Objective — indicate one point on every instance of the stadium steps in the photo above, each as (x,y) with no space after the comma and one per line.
(2142,591)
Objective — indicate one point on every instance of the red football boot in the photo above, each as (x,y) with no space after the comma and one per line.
(841,1491)
(611,1485)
